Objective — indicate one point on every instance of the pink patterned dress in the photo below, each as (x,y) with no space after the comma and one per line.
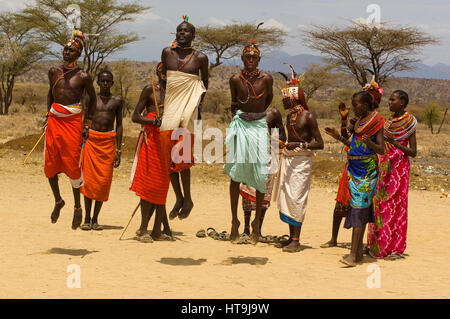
(387,235)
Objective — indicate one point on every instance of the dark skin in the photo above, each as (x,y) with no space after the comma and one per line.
(146,104)
(362,110)
(108,110)
(172,59)
(274,120)
(307,129)
(60,93)
(397,106)
(262,83)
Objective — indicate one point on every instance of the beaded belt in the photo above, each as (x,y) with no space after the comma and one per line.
(349,157)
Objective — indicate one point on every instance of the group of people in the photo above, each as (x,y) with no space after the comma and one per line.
(264,156)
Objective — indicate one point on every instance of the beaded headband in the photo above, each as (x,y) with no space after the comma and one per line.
(76,41)
(251,49)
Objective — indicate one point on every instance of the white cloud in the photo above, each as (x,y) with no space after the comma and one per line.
(272,23)
(216,21)
(150,16)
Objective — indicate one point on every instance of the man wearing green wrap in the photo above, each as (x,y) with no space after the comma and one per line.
(247,141)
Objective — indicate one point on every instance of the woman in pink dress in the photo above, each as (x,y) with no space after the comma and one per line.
(387,235)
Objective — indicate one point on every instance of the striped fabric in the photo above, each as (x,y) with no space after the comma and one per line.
(149,176)
(63,137)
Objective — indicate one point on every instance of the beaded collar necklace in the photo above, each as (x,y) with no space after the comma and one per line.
(364,122)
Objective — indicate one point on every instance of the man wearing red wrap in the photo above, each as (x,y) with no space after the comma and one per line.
(64,130)
(149,178)
(185,89)
(101,153)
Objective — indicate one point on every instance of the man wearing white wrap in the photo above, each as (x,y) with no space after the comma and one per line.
(185,90)
(294,174)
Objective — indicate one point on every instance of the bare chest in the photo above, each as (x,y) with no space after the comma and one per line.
(181,61)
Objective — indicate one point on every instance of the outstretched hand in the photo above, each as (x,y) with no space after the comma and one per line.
(332,131)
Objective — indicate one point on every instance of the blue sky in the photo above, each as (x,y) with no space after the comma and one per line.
(156,26)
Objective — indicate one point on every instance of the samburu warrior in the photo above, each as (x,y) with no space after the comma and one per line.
(65,133)
(185,90)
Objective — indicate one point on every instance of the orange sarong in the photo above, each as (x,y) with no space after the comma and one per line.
(63,137)
(173,153)
(149,178)
(343,193)
(98,165)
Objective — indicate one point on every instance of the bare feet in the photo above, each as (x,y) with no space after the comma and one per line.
(234,236)
(186,210)
(176,209)
(77,218)
(55,214)
(254,236)
(292,247)
(329,244)
(348,260)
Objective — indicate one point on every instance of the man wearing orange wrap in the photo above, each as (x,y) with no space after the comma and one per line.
(64,129)
(185,90)
(101,153)
(149,178)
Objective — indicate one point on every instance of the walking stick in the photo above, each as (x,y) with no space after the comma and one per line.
(81,155)
(154,96)
(35,145)
(132,215)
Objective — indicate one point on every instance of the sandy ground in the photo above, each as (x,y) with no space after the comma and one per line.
(36,254)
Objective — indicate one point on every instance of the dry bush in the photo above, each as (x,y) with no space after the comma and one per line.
(33,96)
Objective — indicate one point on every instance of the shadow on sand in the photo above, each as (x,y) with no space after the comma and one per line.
(245,260)
(110,227)
(71,252)
(181,261)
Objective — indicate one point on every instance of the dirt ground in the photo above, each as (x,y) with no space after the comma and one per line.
(37,254)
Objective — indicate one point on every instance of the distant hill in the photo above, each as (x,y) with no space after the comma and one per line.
(420,90)
(275,59)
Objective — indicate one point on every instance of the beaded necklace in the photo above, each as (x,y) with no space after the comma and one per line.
(186,61)
(295,112)
(400,127)
(250,85)
(364,122)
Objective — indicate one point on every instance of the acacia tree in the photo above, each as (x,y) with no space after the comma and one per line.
(98,19)
(432,115)
(226,42)
(364,49)
(317,76)
(19,51)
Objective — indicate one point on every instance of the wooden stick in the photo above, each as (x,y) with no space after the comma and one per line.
(154,96)
(35,145)
(81,155)
(135,210)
